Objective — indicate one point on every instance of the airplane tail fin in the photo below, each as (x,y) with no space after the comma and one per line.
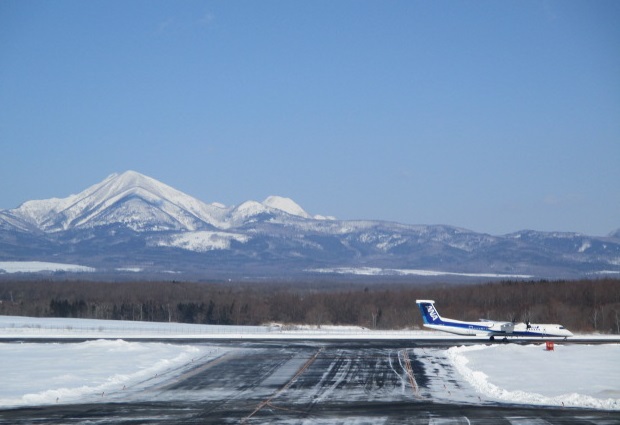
(429,312)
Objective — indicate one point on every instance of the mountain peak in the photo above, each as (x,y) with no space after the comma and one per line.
(285,204)
(130,198)
(129,177)
(142,203)
(129,180)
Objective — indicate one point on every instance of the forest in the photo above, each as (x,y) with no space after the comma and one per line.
(580,305)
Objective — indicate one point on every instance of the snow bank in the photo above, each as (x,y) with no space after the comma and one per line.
(40,374)
(571,375)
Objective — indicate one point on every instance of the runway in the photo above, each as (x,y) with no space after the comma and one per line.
(318,382)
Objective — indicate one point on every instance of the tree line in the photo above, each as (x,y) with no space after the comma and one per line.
(580,305)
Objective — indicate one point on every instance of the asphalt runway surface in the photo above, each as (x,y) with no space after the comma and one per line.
(317,382)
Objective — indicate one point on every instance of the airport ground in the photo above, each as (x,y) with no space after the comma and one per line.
(308,382)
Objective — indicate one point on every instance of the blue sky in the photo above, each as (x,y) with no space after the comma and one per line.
(495,116)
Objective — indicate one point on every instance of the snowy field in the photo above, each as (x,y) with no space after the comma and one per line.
(36,328)
(40,266)
(203,241)
(573,375)
(586,376)
(100,370)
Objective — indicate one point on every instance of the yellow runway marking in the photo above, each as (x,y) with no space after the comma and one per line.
(409,370)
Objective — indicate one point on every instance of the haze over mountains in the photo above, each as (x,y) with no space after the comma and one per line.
(133,222)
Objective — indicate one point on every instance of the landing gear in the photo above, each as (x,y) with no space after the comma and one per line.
(492,338)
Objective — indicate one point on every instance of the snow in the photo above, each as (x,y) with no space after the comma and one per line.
(143,203)
(246,210)
(87,371)
(376,271)
(65,328)
(605,272)
(570,375)
(285,204)
(202,241)
(585,245)
(324,217)
(130,269)
(88,207)
(40,266)
(573,375)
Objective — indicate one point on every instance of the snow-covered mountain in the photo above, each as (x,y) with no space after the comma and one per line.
(133,222)
(144,204)
(132,199)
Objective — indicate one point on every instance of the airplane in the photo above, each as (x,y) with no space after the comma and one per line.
(433,320)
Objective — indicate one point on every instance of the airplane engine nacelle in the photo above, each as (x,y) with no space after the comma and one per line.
(506,328)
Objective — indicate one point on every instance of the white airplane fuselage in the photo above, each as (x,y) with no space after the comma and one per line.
(433,320)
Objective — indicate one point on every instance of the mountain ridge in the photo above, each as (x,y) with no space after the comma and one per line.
(129,220)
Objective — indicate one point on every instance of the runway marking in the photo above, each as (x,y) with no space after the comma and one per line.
(409,371)
(286,386)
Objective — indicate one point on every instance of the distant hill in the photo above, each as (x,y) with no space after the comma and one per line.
(133,223)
